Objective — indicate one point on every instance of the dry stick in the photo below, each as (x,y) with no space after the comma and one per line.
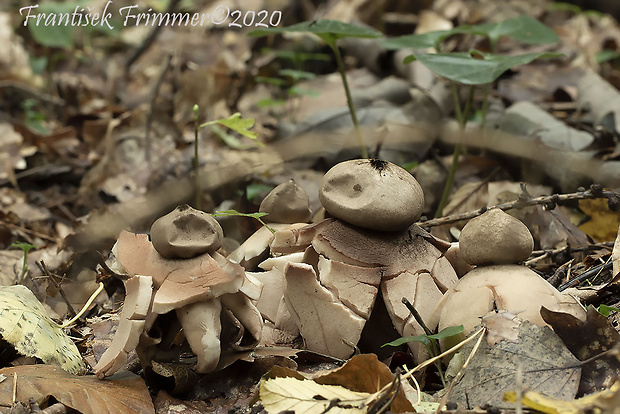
(426,363)
(85,307)
(27,231)
(459,374)
(148,41)
(521,203)
(432,347)
(475,190)
(14,388)
(385,401)
(149,117)
(45,271)
(595,271)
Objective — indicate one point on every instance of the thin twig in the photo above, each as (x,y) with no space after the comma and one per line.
(52,277)
(459,374)
(148,41)
(27,231)
(426,363)
(595,271)
(522,203)
(149,117)
(85,307)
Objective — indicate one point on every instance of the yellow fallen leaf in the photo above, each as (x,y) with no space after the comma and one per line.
(24,323)
(606,400)
(603,222)
(307,396)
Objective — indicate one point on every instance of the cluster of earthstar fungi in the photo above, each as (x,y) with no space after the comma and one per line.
(322,280)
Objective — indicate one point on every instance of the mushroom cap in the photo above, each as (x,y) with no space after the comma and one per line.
(286,203)
(186,232)
(372,194)
(495,237)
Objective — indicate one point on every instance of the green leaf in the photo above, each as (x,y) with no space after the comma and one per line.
(256,216)
(254,190)
(56,34)
(230,140)
(524,29)
(464,68)
(26,247)
(297,74)
(398,342)
(606,55)
(295,91)
(561,6)
(268,102)
(236,213)
(606,310)
(448,332)
(417,41)
(237,124)
(328,30)
(425,339)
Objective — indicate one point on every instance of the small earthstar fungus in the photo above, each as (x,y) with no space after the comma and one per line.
(371,243)
(181,271)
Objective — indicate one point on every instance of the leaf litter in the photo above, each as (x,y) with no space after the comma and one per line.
(536,359)
(89,133)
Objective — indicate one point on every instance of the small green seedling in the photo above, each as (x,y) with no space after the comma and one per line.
(474,68)
(431,342)
(288,80)
(26,247)
(256,216)
(606,310)
(236,123)
(330,31)
(427,339)
(33,118)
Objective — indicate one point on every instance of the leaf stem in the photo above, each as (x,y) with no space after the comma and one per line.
(462,116)
(347,90)
(432,347)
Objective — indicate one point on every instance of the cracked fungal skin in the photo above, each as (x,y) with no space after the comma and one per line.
(351,265)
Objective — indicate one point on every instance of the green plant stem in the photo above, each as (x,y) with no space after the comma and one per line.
(485,106)
(462,116)
(347,90)
(432,347)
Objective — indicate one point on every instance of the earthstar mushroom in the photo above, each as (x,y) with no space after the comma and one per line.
(371,243)
(288,207)
(197,288)
(494,242)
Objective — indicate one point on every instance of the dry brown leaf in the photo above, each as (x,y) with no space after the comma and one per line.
(124,393)
(547,366)
(362,373)
(585,340)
